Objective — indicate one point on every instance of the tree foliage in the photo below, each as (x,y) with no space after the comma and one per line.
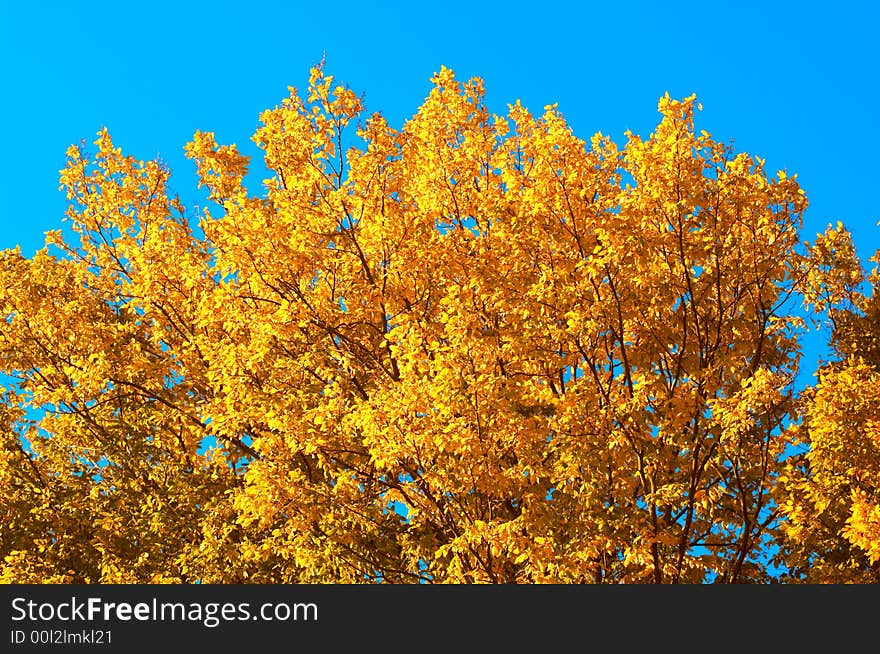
(830,492)
(472,349)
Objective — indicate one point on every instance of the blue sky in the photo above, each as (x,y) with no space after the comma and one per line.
(794,83)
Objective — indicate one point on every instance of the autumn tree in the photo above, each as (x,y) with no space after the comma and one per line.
(830,492)
(474,348)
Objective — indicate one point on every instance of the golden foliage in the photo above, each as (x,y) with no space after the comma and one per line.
(830,493)
(472,349)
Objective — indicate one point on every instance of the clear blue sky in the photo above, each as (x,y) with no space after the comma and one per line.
(795,83)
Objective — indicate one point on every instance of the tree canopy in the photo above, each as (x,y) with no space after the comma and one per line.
(475,348)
